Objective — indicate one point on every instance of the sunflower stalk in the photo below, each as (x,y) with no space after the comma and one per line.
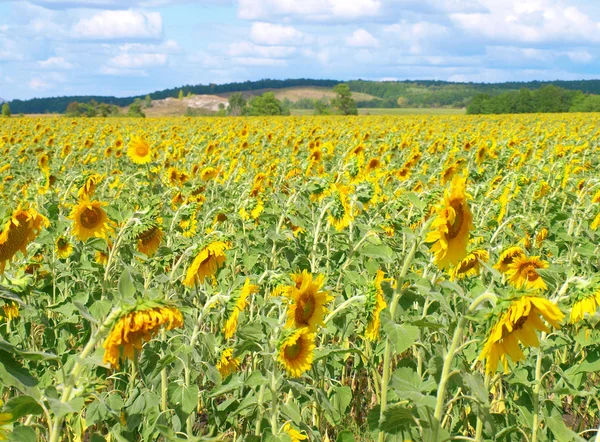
(78,367)
(535,424)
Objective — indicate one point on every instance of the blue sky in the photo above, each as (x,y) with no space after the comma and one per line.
(127,47)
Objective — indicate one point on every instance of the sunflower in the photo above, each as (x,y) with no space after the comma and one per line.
(294,434)
(63,247)
(296,352)
(5,420)
(149,240)
(11,311)
(340,212)
(518,324)
(209,173)
(470,265)
(22,228)
(228,364)
(540,236)
(235,306)
(89,185)
(375,305)
(136,326)
(507,257)
(89,220)
(522,272)
(308,302)
(139,151)
(206,263)
(450,230)
(585,304)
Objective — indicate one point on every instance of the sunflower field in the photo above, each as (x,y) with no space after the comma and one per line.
(417,278)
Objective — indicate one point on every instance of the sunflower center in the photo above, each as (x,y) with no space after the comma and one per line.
(519,324)
(305,309)
(90,218)
(454,227)
(293,351)
(142,150)
(531,273)
(147,236)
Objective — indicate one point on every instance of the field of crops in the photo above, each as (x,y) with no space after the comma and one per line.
(422,278)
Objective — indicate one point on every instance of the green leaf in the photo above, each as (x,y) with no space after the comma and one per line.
(60,408)
(95,412)
(16,370)
(415,200)
(22,434)
(396,418)
(561,432)
(126,286)
(22,406)
(402,336)
(341,398)
(345,436)
(381,252)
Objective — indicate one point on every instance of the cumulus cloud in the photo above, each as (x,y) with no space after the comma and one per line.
(311,10)
(247,49)
(117,72)
(135,61)
(362,39)
(119,25)
(38,84)
(56,63)
(273,34)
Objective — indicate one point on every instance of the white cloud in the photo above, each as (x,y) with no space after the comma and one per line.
(580,56)
(253,61)
(56,63)
(119,25)
(136,61)
(362,39)
(273,34)
(169,47)
(312,10)
(38,84)
(117,72)
(247,49)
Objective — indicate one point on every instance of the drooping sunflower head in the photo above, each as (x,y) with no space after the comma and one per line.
(518,324)
(10,311)
(507,257)
(296,352)
(523,272)
(206,263)
(470,265)
(139,150)
(149,240)
(308,303)
(136,325)
(294,434)
(209,173)
(450,230)
(374,306)
(20,229)
(340,211)
(88,185)
(228,364)
(89,220)
(64,249)
(585,303)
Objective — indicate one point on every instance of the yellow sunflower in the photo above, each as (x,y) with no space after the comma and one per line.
(139,151)
(89,220)
(470,265)
(294,434)
(5,420)
(133,328)
(587,304)
(235,306)
(22,228)
(450,230)
(507,257)
(206,263)
(11,311)
(149,240)
(518,324)
(228,364)
(522,272)
(209,173)
(308,302)
(340,212)
(375,305)
(296,352)
(63,247)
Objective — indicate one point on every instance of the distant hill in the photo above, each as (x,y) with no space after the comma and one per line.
(368,94)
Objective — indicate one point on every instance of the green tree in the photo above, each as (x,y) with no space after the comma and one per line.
(322,107)
(237,104)
(343,102)
(6,110)
(135,110)
(180,96)
(266,104)
(148,102)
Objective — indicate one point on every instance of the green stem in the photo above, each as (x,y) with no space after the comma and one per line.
(535,424)
(261,395)
(274,401)
(77,368)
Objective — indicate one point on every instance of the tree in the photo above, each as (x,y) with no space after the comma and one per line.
(6,110)
(266,104)
(180,96)
(148,102)
(135,110)
(237,104)
(322,107)
(343,102)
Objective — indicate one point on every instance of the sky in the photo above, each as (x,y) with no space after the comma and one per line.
(132,47)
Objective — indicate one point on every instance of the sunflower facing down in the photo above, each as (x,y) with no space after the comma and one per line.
(63,247)
(585,304)
(235,306)
(375,305)
(206,263)
(138,325)
(308,301)
(470,265)
(228,364)
(139,151)
(507,257)
(149,240)
(450,230)
(22,228)
(296,352)
(10,311)
(518,324)
(294,434)
(522,272)
(89,220)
